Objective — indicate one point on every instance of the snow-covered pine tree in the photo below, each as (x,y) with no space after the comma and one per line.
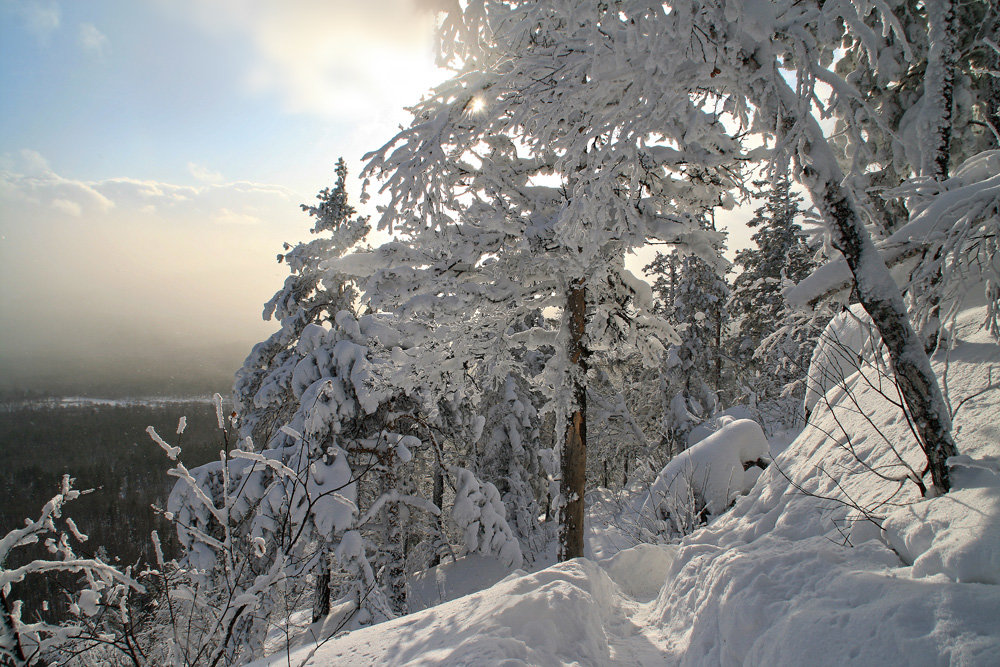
(665,272)
(624,420)
(615,189)
(340,483)
(508,456)
(780,256)
(693,376)
(310,295)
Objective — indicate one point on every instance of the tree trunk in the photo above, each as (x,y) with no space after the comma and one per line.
(321,605)
(939,87)
(438,500)
(394,551)
(876,289)
(574,452)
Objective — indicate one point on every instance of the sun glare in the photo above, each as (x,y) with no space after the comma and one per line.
(476,105)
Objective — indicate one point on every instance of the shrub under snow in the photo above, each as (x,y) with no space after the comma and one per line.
(706,479)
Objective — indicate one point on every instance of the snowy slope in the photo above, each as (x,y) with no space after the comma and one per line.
(792,575)
(769,583)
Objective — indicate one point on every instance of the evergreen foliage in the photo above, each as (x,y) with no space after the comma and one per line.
(780,256)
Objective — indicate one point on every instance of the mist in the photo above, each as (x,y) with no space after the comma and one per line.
(123,286)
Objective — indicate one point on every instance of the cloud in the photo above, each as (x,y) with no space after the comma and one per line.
(26,178)
(93,40)
(25,161)
(204,174)
(227,217)
(68,207)
(40,18)
(333,58)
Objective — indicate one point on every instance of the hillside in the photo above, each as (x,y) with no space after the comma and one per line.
(794,573)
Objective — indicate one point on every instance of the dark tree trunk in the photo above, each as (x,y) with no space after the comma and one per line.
(574,452)
(321,605)
(439,502)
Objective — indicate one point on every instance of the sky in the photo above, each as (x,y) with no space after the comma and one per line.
(153,156)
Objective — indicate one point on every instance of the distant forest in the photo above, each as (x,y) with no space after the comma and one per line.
(106,448)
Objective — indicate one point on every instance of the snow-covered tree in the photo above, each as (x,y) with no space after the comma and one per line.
(780,256)
(739,54)
(692,371)
(339,488)
(616,186)
(664,271)
(310,295)
(509,456)
(625,419)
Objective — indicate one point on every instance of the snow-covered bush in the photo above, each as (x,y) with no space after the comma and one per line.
(480,514)
(98,605)
(704,480)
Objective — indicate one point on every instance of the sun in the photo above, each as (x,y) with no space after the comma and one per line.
(476,105)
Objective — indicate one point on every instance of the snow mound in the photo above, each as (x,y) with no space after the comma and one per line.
(957,535)
(453,579)
(641,570)
(710,475)
(553,617)
(849,342)
(795,574)
(717,421)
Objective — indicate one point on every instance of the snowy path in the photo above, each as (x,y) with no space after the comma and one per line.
(638,574)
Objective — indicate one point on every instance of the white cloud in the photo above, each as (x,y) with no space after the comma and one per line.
(93,40)
(26,179)
(338,58)
(25,161)
(40,18)
(227,217)
(204,174)
(68,207)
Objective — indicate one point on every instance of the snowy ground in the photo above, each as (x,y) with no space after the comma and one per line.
(793,574)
